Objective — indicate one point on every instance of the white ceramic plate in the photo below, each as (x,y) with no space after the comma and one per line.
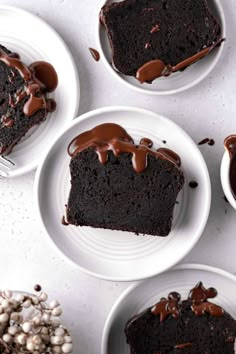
(176,82)
(142,295)
(34,39)
(114,255)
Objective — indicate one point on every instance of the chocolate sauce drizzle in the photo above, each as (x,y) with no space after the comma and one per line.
(167,307)
(112,137)
(200,304)
(147,142)
(157,68)
(40,78)
(198,297)
(230,146)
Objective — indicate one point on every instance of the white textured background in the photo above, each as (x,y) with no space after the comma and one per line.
(208,110)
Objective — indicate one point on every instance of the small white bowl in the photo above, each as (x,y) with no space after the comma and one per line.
(224,174)
(176,82)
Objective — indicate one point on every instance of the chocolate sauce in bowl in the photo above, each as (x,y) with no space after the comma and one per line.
(151,70)
(230,146)
(170,155)
(112,137)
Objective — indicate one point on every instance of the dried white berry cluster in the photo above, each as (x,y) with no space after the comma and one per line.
(29,325)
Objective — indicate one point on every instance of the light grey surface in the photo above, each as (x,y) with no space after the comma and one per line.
(208,110)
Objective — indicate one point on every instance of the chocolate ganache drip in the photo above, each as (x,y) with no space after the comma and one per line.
(200,304)
(230,146)
(95,54)
(198,298)
(167,307)
(157,68)
(112,137)
(40,78)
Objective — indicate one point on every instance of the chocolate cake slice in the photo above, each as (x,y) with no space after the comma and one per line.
(118,185)
(23,97)
(195,326)
(153,38)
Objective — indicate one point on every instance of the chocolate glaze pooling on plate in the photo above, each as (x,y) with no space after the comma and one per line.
(112,137)
(147,142)
(157,68)
(40,78)
(63,221)
(193,184)
(95,54)
(230,146)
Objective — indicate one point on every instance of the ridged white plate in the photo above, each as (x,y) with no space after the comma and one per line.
(142,295)
(115,255)
(34,39)
(176,82)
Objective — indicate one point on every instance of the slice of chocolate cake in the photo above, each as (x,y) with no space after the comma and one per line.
(118,185)
(153,38)
(195,326)
(23,97)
